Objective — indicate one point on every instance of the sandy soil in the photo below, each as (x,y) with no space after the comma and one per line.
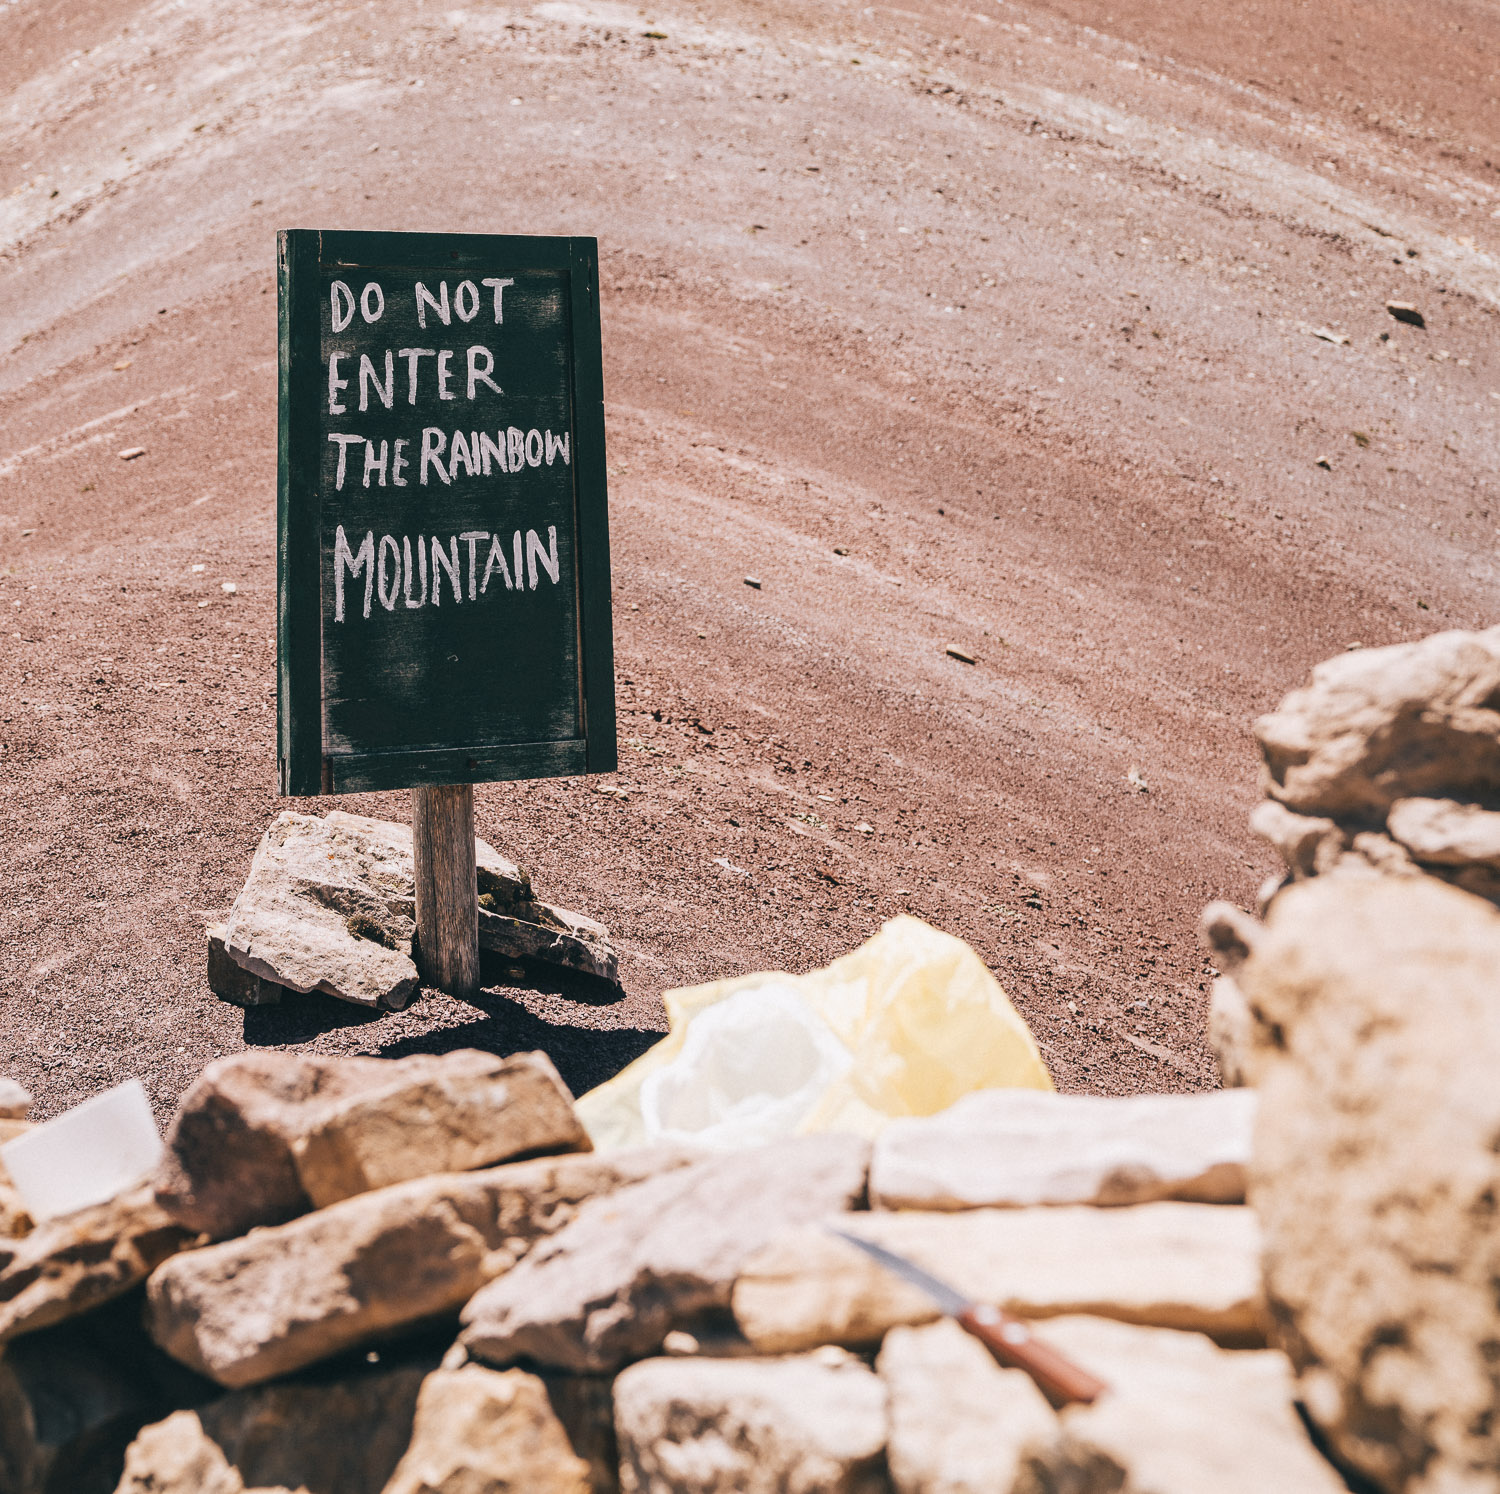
(988,326)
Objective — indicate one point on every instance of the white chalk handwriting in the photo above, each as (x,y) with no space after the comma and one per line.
(399,570)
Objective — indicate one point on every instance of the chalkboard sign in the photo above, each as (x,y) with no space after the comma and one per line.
(442,533)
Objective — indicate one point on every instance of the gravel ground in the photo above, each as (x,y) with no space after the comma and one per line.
(952,327)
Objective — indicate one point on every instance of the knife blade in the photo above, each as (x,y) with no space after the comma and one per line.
(1008,1338)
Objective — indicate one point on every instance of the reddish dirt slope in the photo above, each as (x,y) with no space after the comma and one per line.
(1424,73)
(949,325)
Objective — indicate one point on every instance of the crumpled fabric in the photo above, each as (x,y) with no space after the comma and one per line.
(906,1024)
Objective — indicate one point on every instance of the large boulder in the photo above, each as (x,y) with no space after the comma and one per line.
(1376,1170)
(631,1268)
(1006,1148)
(375,1265)
(437,1114)
(1175,1265)
(958,1422)
(77,1262)
(329,1436)
(262,1137)
(480,1430)
(1180,1417)
(813,1425)
(229,1163)
(330,905)
(1377,725)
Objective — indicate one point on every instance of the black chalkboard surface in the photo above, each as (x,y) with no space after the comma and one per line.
(443,541)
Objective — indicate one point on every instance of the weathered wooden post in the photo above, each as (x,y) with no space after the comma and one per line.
(447,943)
(442,537)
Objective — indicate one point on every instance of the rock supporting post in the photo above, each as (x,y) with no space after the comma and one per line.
(447,943)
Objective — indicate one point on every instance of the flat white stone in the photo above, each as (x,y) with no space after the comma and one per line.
(1012,1148)
(1173,1265)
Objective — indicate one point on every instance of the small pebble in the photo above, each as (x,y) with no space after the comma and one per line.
(131,453)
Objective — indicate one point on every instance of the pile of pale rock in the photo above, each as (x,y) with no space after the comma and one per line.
(330,906)
(415,1277)
(1389,762)
(1366,1011)
(1386,765)
(355,1276)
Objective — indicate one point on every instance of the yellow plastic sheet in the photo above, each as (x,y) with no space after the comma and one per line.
(922,1019)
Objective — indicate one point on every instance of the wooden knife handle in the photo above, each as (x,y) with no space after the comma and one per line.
(1014,1345)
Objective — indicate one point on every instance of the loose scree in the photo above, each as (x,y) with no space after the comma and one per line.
(443,559)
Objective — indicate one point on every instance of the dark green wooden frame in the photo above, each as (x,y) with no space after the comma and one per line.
(303,767)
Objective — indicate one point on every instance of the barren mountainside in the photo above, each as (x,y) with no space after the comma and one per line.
(1054,332)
